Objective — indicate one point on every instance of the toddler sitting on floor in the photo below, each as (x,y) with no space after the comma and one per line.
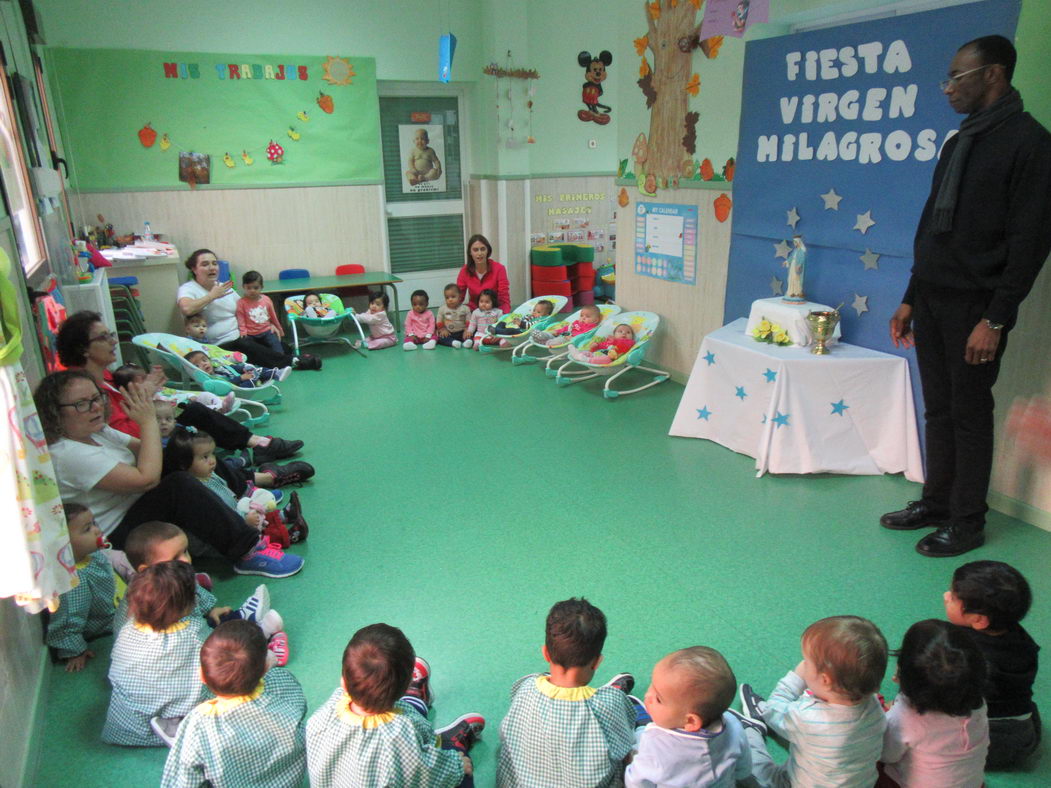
(381,332)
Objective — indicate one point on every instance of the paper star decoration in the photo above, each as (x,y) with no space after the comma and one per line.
(780,419)
(838,408)
(870,259)
(831,200)
(741,393)
(709,357)
(781,249)
(777,287)
(770,375)
(861,304)
(703,413)
(793,217)
(864,222)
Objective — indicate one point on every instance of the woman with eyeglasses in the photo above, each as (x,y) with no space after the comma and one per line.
(84,342)
(118,477)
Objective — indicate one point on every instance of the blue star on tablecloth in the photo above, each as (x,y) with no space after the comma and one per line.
(770,375)
(703,413)
(741,393)
(781,419)
(838,408)
(709,357)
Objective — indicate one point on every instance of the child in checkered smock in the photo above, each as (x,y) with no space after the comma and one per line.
(559,731)
(252,733)
(86,610)
(373,731)
(154,669)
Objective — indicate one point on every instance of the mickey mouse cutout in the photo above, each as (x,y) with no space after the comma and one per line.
(595,74)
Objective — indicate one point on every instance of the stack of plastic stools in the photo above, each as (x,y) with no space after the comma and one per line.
(564,269)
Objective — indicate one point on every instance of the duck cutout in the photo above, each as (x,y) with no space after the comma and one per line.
(228,160)
(248,160)
(165,142)
(303,116)
(275,153)
(293,134)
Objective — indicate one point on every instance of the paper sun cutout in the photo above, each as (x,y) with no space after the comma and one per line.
(861,304)
(870,259)
(338,71)
(781,249)
(793,217)
(864,222)
(831,200)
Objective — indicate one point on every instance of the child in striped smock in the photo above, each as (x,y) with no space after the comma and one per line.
(484,316)
(826,708)
(252,731)
(373,730)
(85,611)
(154,665)
(559,730)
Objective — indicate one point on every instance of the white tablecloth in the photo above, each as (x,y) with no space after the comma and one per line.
(848,412)
(791,317)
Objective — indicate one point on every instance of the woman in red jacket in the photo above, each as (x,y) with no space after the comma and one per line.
(482,272)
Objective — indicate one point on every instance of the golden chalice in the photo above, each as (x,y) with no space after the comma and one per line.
(822,325)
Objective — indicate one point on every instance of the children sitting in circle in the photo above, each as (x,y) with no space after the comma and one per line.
(373,730)
(452,319)
(252,731)
(256,317)
(484,316)
(518,325)
(154,668)
(606,351)
(313,306)
(246,376)
(381,332)
(86,611)
(937,730)
(590,317)
(419,323)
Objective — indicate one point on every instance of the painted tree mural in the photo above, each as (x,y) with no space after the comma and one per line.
(674,32)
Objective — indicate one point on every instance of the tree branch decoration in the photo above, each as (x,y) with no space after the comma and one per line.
(494,70)
(673,34)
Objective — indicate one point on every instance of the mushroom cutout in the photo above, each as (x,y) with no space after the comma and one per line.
(275,153)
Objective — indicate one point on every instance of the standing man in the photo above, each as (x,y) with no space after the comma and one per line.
(983,236)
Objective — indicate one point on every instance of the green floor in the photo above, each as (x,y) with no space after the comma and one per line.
(458,497)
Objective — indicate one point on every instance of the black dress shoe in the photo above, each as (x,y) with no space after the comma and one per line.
(277,449)
(916,514)
(950,540)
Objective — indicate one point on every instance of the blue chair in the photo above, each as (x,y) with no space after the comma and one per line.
(294,273)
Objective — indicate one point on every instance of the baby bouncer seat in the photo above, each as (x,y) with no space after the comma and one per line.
(644,325)
(170,352)
(315,330)
(560,348)
(521,311)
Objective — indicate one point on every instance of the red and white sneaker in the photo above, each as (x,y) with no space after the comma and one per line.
(278,646)
(462,733)
(420,686)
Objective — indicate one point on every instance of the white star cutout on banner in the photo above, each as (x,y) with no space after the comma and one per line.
(831,200)
(781,249)
(861,304)
(793,217)
(864,222)
(777,286)
(870,259)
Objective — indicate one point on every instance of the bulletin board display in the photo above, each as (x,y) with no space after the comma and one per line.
(666,241)
(142,119)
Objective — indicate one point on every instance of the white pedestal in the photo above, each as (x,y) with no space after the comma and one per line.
(791,317)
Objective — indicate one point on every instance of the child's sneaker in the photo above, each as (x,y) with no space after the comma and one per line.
(467,343)
(294,472)
(278,646)
(429,344)
(269,560)
(297,524)
(642,717)
(409,346)
(748,722)
(204,580)
(462,733)
(271,623)
(283,373)
(228,402)
(625,682)
(458,344)
(420,686)
(257,605)
(753,706)
(166,728)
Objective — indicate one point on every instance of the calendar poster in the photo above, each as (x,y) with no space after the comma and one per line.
(666,241)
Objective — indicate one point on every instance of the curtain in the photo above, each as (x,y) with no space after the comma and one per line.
(36,564)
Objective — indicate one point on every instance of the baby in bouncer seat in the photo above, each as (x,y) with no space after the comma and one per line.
(590,317)
(607,350)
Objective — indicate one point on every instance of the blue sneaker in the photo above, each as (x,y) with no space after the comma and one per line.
(269,560)
(642,717)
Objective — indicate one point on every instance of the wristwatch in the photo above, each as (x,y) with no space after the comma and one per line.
(992,325)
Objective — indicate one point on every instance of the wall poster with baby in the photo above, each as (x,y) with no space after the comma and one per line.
(422,153)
